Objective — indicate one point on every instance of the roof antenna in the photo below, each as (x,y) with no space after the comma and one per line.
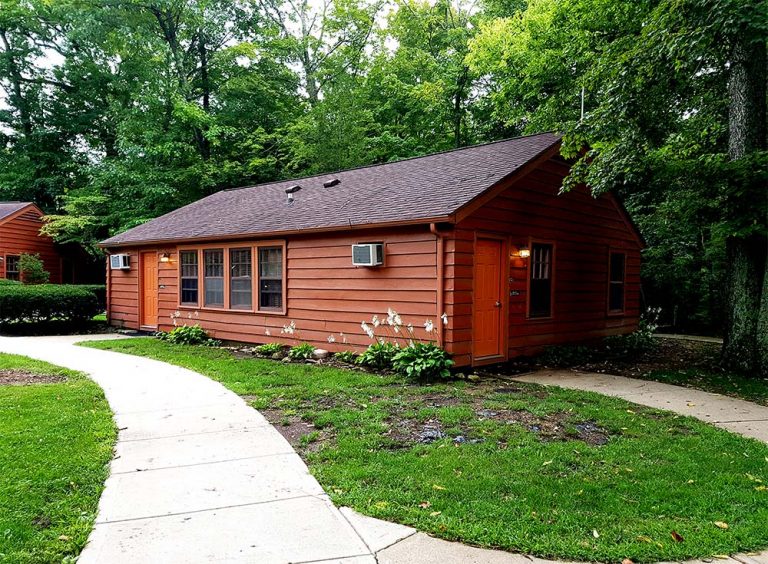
(291,191)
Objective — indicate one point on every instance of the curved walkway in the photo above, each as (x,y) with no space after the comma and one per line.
(199,476)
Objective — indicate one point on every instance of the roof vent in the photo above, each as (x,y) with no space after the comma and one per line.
(291,191)
(331,183)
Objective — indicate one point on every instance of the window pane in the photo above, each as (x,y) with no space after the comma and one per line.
(617,267)
(213,265)
(616,282)
(540,299)
(12,267)
(240,285)
(189,273)
(271,277)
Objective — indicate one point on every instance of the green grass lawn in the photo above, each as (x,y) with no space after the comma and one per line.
(56,440)
(544,471)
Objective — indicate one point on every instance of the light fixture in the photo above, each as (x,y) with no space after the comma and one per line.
(522,252)
(165,257)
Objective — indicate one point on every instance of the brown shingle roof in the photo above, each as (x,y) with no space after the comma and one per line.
(432,187)
(9,208)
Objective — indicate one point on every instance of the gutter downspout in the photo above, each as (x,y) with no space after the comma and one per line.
(108,300)
(440,237)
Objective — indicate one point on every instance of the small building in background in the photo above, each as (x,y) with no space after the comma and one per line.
(20,224)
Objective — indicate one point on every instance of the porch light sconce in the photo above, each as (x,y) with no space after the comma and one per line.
(522,252)
(165,257)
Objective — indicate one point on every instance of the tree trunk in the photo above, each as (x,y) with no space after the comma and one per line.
(762,326)
(746,256)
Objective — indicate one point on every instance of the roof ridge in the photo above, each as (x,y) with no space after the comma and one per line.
(373,165)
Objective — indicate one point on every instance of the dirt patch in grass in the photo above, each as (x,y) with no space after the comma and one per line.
(23,378)
(302,436)
(552,427)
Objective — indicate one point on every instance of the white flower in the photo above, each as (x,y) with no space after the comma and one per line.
(289,329)
(331,339)
(429,326)
(266,331)
(189,316)
(343,337)
(375,320)
(444,317)
(197,314)
(391,316)
(396,328)
(410,328)
(367,329)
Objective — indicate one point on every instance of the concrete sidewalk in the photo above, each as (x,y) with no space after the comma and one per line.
(199,476)
(735,415)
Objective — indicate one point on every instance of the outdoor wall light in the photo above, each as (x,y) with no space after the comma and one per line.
(522,252)
(165,257)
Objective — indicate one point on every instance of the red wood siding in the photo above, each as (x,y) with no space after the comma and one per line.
(326,295)
(21,234)
(583,231)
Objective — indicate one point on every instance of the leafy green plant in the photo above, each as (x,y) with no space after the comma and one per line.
(188,335)
(379,355)
(638,342)
(423,361)
(32,270)
(269,349)
(46,302)
(350,357)
(6,282)
(302,351)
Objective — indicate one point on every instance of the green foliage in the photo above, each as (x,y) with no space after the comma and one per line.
(349,357)
(301,351)
(100,291)
(639,341)
(32,270)
(566,355)
(379,355)
(423,361)
(46,302)
(269,349)
(6,282)
(188,335)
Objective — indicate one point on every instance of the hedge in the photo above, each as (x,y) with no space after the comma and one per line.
(6,282)
(100,290)
(47,302)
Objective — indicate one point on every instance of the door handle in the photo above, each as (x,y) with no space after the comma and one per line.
(498,304)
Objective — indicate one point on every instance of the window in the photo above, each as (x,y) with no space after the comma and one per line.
(240,280)
(540,288)
(12,267)
(270,278)
(213,262)
(616,282)
(189,277)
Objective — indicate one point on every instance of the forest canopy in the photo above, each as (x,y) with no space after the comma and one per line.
(113,112)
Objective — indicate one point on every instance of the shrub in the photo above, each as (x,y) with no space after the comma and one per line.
(301,352)
(350,357)
(6,282)
(32,270)
(638,342)
(565,355)
(269,349)
(46,302)
(188,335)
(379,355)
(100,291)
(423,361)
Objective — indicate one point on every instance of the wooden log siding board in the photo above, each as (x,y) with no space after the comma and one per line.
(21,234)
(325,294)
(583,230)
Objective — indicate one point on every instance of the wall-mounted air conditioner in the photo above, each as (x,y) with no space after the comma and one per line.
(120,262)
(368,254)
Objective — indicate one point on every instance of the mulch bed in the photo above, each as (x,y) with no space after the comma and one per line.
(22,378)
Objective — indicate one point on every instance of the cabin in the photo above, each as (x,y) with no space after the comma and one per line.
(476,241)
(20,224)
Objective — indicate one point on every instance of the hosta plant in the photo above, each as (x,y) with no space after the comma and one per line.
(303,351)
(422,361)
(379,355)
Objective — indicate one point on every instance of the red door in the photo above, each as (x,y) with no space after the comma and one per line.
(149,289)
(486,319)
